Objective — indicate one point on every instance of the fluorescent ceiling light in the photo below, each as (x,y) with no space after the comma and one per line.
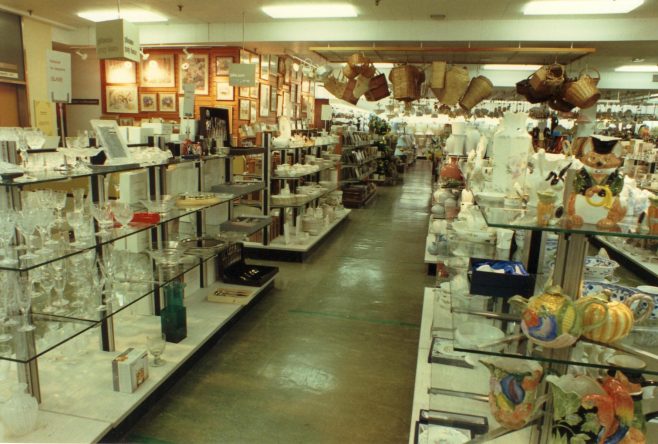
(383,65)
(511,67)
(567,7)
(131,15)
(637,68)
(313,10)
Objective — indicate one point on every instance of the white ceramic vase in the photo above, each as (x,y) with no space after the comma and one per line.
(512,145)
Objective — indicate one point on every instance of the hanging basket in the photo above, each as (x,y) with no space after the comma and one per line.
(548,79)
(348,92)
(362,86)
(583,92)
(559,104)
(378,88)
(350,71)
(406,80)
(368,71)
(335,86)
(523,88)
(438,80)
(478,90)
(456,83)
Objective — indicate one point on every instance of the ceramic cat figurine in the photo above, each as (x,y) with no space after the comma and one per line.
(595,199)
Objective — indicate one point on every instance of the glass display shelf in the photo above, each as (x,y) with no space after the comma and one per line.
(517,219)
(238,188)
(299,176)
(305,201)
(114,234)
(246,224)
(53,330)
(40,177)
(491,326)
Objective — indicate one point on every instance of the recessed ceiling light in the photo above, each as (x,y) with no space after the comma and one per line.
(511,67)
(131,15)
(313,10)
(637,60)
(637,68)
(564,7)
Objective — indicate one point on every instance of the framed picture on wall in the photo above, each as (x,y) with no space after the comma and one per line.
(287,105)
(279,106)
(265,67)
(253,112)
(121,99)
(157,71)
(273,100)
(306,86)
(126,121)
(167,102)
(264,110)
(244,109)
(148,102)
(224,91)
(222,64)
(244,91)
(120,71)
(245,57)
(253,91)
(194,70)
(254,59)
(274,65)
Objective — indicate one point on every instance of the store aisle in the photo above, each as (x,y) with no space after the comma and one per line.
(329,355)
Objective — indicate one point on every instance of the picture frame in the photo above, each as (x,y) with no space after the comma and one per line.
(244,110)
(126,121)
(167,102)
(244,91)
(245,57)
(194,70)
(265,67)
(306,85)
(274,65)
(273,99)
(224,91)
(148,102)
(253,112)
(120,71)
(121,99)
(253,91)
(287,102)
(264,108)
(222,64)
(157,71)
(279,106)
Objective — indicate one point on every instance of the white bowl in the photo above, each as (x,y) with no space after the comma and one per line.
(597,268)
(476,335)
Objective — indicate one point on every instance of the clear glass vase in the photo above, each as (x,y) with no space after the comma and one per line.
(21,412)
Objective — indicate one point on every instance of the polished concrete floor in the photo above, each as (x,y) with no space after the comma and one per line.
(329,355)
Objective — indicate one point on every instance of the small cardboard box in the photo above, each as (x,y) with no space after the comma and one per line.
(129,370)
(497,284)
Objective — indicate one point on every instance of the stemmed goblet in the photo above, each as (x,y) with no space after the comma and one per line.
(26,223)
(156,344)
(123,213)
(24,297)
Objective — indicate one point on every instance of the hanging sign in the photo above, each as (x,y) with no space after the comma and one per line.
(187,110)
(117,39)
(242,74)
(326,112)
(59,76)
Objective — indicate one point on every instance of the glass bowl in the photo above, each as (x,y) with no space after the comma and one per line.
(161,206)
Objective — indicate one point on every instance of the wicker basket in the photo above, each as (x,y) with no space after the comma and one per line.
(559,104)
(583,92)
(438,80)
(348,93)
(456,83)
(350,71)
(335,86)
(523,88)
(478,90)
(362,85)
(378,88)
(358,61)
(405,80)
(548,79)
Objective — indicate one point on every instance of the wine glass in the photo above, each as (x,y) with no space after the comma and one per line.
(155,344)
(26,223)
(47,282)
(123,213)
(60,285)
(24,297)
(7,229)
(75,219)
(78,199)
(45,219)
(59,201)
(103,215)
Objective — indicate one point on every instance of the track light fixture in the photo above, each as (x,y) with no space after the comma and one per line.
(188,55)
(82,55)
(144,55)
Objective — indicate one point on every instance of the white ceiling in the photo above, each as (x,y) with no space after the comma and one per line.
(230,11)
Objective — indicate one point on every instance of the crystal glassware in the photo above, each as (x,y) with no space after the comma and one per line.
(26,223)
(4,336)
(59,199)
(7,229)
(60,285)
(155,344)
(47,282)
(103,215)
(24,297)
(75,219)
(123,213)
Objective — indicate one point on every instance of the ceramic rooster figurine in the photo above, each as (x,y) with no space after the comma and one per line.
(595,198)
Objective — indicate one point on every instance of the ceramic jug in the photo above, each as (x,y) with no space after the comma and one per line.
(596,411)
(513,390)
(553,320)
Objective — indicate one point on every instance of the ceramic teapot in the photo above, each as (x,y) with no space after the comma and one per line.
(513,390)
(553,320)
(619,319)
